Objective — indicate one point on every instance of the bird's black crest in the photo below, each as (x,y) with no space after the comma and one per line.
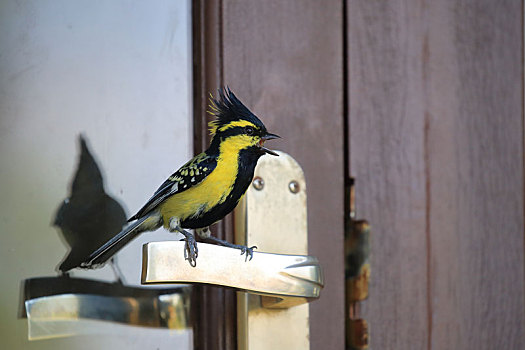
(228,108)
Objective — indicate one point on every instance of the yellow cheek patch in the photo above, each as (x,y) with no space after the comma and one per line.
(233,144)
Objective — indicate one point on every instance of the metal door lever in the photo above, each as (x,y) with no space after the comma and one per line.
(296,277)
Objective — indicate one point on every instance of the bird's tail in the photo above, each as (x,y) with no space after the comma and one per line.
(105,252)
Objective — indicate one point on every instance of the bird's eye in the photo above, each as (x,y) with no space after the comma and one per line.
(249,130)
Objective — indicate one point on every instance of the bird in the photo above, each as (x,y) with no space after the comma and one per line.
(88,217)
(207,187)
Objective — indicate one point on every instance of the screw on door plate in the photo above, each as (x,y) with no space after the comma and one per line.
(258,183)
(294,186)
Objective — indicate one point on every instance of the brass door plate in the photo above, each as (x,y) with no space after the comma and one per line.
(273,216)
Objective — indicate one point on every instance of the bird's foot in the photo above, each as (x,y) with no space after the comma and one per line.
(191,252)
(248,251)
(244,249)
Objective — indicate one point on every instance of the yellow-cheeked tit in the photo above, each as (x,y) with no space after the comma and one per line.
(206,188)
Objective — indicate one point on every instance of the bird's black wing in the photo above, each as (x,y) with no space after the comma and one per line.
(189,175)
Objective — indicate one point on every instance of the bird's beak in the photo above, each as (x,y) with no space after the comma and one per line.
(266,137)
(270,136)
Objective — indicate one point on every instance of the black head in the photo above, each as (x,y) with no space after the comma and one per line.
(237,124)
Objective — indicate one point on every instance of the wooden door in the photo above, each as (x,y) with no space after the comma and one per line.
(436,146)
(420,102)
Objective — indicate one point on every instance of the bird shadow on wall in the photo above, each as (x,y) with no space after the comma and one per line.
(85,220)
(89,217)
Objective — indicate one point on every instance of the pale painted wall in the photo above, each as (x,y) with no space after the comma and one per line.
(117,71)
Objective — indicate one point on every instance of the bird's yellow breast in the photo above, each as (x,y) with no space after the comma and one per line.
(211,191)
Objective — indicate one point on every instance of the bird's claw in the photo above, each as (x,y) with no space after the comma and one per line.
(191,252)
(248,251)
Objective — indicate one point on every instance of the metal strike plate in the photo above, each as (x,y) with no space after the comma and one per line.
(273,217)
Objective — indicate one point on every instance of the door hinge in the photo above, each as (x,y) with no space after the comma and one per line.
(357,271)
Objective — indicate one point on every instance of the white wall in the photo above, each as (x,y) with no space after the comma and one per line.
(117,71)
